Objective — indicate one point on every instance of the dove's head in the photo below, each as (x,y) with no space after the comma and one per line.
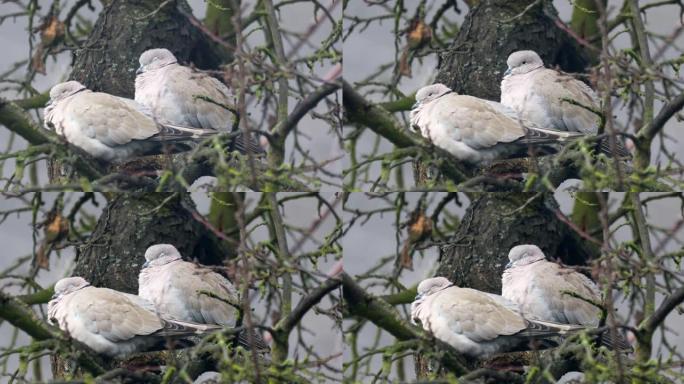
(63,90)
(426,288)
(429,286)
(521,62)
(154,59)
(160,254)
(69,285)
(429,93)
(524,254)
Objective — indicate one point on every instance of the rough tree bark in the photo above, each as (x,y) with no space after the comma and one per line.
(129,224)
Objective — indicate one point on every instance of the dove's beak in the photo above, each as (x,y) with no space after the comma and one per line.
(140,70)
(508,72)
(147,264)
(418,297)
(415,105)
(509,265)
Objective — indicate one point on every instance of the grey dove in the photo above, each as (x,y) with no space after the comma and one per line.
(179,95)
(111,322)
(475,130)
(547,291)
(176,288)
(111,128)
(541,95)
(544,289)
(477,323)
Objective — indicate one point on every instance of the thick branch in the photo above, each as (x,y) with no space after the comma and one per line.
(360,303)
(18,121)
(40,297)
(280,347)
(22,317)
(362,112)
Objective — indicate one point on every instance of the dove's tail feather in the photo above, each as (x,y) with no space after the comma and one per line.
(620,343)
(258,343)
(244,144)
(176,328)
(621,152)
(171,132)
(539,328)
(545,136)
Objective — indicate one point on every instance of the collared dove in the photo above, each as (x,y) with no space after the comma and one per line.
(109,127)
(111,322)
(541,95)
(179,289)
(546,291)
(179,95)
(477,130)
(477,323)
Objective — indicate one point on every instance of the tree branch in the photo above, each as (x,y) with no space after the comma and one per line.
(305,106)
(287,324)
(674,106)
(669,304)
(360,303)
(40,297)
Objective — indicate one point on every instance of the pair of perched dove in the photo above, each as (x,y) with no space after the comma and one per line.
(477,323)
(114,323)
(476,130)
(552,99)
(176,300)
(173,105)
(108,127)
(186,291)
(539,107)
